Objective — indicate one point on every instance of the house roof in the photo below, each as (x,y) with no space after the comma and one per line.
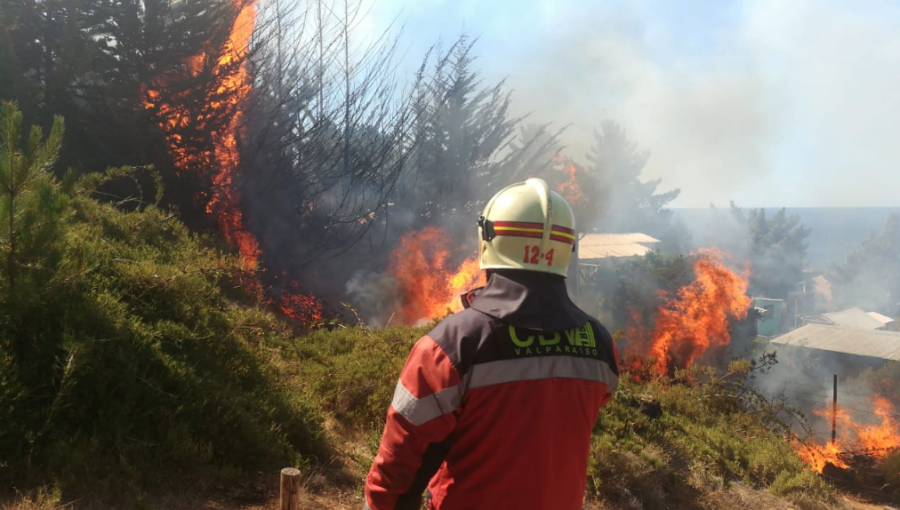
(854,318)
(601,246)
(859,342)
(884,319)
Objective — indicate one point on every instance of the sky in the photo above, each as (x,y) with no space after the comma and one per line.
(791,103)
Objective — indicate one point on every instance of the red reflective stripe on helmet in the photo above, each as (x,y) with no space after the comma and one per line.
(519,233)
(562,239)
(563,229)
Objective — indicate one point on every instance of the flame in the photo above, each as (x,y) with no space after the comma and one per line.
(225,199)
(569,189)
(874,437)
(817,456)
(884,436)
(697,318)
(182,119)
(429,286)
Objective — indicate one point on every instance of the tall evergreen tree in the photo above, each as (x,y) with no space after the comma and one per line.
(774,246)
(621,201)
(468,145)
(870,277)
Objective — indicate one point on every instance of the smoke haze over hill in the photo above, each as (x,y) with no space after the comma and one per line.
(765,103)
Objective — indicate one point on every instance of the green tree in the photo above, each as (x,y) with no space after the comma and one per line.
(870,277)
(631,290)
(621,201)
(468,146)
(774,246)
(31,205)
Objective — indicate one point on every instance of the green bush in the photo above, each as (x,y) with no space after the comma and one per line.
(713,429)
(353,371)
(122,363)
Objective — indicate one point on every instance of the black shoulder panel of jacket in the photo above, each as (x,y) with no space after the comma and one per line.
(462,334)
(472,338)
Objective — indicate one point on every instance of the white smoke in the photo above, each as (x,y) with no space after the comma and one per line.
(762,102)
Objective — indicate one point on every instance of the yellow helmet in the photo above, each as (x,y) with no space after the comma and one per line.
(527,226)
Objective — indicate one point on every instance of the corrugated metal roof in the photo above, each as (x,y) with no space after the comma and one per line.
(860,342)
(601,246)
(854,318)
(603,239)
(884,319)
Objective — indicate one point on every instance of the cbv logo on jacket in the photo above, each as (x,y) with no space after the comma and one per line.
(576,341)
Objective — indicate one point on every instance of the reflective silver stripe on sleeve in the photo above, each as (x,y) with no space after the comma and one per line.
(544,367)
(366,505)
(422,410)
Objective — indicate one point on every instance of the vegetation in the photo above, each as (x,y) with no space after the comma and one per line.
(131,359)
(890,465)
(620,200)
(696,433)
(637,287)
(774,246)
(126,360)
(870,277)
(687,436)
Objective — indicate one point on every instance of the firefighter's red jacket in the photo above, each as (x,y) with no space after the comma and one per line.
(494,407)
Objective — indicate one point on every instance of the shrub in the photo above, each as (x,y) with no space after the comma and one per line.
(353,371)
(122,364)
(714,429)
(890,465)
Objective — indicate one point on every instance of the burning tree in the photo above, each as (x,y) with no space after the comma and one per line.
(694,320)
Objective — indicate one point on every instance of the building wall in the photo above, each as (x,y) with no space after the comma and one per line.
(772,324)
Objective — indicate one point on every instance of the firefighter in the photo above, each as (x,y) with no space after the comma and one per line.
(494,407)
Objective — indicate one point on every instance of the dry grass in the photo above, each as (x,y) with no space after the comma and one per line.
(330,499)
(738,496)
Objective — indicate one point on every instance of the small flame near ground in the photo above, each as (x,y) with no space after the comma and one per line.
(874,435)
(226,97)
(428,283)
(697,318)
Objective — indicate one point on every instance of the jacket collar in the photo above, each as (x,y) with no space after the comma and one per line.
(528,300)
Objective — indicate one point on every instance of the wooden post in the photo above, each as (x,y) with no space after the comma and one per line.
(834,411)
(290,489)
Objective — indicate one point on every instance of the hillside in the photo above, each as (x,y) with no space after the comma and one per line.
(142,370)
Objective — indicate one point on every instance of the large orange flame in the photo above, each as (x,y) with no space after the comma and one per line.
(697,318)
(874,435)
(429,286)
(231,87)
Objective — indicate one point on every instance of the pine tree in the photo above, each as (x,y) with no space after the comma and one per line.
(774,246)
(870,277)
(31,205)
(626,202)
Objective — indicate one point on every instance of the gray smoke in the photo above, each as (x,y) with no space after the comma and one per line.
(767,103)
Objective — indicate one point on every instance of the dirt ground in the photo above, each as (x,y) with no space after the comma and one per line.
(316,496)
